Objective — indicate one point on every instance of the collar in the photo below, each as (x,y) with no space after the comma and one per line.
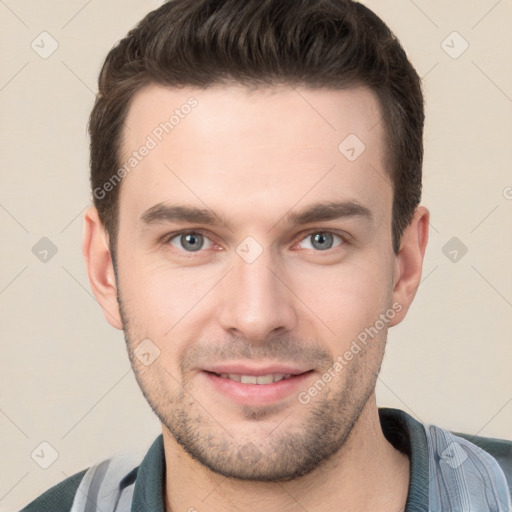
(408,436)
(400,429)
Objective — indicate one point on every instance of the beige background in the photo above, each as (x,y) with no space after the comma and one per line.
(65,376)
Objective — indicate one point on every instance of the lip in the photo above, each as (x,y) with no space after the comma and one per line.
(256,394)
(251,369)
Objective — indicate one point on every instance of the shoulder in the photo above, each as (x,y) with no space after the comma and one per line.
(499,449)
(105,481)
(58,498)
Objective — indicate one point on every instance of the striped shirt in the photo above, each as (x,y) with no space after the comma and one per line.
(448,473)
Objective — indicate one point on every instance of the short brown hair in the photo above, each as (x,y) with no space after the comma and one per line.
(333,44)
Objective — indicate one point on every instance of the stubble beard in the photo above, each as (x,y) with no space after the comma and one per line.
(283,454)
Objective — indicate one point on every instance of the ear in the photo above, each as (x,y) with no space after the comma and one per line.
(409,262)
(100,267)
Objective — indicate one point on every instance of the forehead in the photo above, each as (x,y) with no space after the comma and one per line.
(261,147)
(293,112)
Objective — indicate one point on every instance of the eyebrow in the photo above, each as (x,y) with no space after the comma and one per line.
(163,212)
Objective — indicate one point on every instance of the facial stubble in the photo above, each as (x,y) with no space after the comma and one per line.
(283,453)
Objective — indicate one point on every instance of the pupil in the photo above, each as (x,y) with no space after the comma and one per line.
(191,241)
(321,238)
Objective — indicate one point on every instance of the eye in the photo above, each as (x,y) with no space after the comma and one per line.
(190,241)
(322,240)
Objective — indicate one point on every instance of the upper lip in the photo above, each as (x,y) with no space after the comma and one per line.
(252,369)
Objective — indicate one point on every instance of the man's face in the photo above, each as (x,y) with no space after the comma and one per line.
(260,291)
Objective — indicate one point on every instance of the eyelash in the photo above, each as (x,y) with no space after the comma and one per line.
(170,236)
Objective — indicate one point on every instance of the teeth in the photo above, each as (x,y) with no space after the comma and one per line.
(256,379)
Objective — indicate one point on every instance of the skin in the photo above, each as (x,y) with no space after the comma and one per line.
(252,157)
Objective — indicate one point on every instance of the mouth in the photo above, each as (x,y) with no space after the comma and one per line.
(255,379)
(256,388)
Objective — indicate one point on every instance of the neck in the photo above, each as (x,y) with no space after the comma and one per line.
(367,473)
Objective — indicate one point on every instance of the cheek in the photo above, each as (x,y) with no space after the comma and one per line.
(165,304)
(163,292)
(347,298)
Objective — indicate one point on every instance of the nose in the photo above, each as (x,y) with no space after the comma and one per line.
(256,301)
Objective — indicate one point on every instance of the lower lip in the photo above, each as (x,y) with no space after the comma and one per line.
(257,394)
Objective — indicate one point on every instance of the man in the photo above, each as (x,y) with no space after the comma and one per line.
(256,229)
